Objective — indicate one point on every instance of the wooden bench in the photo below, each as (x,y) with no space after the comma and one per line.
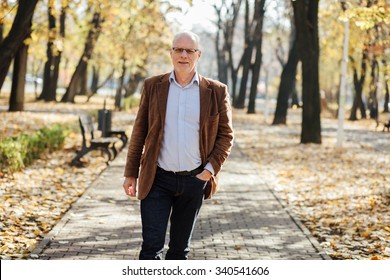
(119,134)
(91,142)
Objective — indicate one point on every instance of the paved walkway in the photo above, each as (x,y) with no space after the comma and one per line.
(244,221)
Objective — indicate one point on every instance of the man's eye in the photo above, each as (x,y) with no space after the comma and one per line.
(188,51)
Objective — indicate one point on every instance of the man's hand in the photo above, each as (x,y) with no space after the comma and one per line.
(130,186)
(205,175)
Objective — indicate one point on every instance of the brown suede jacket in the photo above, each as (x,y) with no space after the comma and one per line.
(215,131)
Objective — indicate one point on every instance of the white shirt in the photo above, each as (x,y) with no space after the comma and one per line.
(180,145)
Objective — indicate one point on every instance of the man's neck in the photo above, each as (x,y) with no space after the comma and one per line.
(184,79)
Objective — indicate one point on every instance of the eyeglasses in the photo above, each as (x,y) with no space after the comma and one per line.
(188,51)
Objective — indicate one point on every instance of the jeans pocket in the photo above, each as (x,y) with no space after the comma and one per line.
(199,180)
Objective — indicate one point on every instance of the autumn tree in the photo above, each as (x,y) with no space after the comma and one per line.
(332,30)
(56,36)
(358,82)
(253,41)
(287,86)
(20,30)
(133,34)
(369,24)
(16,102)
(227,15)
(140,34)
(79,77)
(306,23)
(258,42)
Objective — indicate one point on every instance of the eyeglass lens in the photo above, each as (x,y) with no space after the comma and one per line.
(188,51)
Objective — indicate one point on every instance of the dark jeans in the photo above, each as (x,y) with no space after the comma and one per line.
(177,197)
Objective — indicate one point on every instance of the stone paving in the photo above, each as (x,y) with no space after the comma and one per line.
(243,221)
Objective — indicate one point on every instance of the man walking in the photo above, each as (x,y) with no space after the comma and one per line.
(181,138)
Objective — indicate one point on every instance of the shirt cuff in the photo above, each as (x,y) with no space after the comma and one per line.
(210,168)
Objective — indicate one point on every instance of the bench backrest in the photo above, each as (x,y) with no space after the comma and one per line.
(86,126)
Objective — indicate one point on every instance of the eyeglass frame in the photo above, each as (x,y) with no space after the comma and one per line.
(188,51)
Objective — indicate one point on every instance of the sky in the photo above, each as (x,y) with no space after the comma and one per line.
(199,14)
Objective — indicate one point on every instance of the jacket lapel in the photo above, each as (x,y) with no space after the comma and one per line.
(205,98)
(163,88)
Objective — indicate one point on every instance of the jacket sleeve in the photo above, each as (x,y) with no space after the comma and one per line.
(138,136)
(224,138)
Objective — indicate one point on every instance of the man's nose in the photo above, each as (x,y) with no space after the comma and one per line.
(184,53)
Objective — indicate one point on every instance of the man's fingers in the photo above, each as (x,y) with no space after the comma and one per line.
(129,186)
(131,191)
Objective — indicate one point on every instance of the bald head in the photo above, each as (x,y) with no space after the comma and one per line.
(188,34)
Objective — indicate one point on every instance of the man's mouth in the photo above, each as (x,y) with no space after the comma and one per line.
(182,62)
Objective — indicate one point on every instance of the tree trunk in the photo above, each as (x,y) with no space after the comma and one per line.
(358,83)
(3,6)
(220,50)
(95,80)
(1,32)
(133,83)
(47,87)
(387,98)
(21,28)
(224,50)
(386,84)
(57,58)
(16,102)
(233,70)
(246,66)
(83,89)
(78,77)
(257,41)
(95,86)
(373,98)
(74,85)
(118,95)
(306,23)
(245,61)
(294,95)
(287,85)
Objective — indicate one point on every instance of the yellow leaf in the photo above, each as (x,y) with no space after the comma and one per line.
(376,257)
(59,171)
(387,229)
(366,234)
(3,248)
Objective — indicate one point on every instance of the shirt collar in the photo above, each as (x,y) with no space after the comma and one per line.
(195,79)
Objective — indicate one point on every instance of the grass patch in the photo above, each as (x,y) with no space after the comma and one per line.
(19,151)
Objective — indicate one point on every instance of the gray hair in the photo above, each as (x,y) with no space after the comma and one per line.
(190,34)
